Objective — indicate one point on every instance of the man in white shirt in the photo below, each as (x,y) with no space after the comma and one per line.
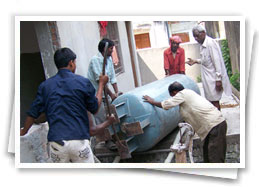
(213,71)
(206,120)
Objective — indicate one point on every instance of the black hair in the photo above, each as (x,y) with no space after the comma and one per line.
(101,44)
(176,86)
(63,56)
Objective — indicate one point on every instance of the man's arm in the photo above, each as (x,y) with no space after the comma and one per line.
(27,125)
(192,61)
(152,101)
(115,88)
(98,128)
(166,72)
(166,64)
(109,92)
(182,62)
(103,79)
(216,56)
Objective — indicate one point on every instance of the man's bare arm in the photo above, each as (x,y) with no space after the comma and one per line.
(27,125)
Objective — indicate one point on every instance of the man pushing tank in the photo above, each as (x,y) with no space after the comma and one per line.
(205,118)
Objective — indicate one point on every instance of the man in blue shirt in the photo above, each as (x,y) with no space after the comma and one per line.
(65,99)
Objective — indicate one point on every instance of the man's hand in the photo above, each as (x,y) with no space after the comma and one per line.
(190,62)
(111,119)
(218,86)
(167,72)
(22,132)
(114,96)
(148,99)
(103,79)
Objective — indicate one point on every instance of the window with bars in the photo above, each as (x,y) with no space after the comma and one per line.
(113,34)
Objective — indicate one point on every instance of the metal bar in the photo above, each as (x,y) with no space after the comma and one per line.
(118,105)
(144,123)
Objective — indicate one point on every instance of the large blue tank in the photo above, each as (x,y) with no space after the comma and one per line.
(143,125)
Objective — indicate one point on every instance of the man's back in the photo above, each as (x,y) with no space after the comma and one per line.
(195,110)
(65,99)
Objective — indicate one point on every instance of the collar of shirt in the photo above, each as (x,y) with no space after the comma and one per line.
(204,45)
(63,72)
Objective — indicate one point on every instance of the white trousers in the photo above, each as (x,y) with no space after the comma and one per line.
(76,151)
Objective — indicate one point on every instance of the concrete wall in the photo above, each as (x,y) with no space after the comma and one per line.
(151,63)
(46,48)
(125,79)
(83,39)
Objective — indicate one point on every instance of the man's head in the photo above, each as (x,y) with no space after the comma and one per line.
(65,58)
(174,88)
(101,46)
(175,42)
(199,33)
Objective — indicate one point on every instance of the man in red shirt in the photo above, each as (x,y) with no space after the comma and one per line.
(174,57)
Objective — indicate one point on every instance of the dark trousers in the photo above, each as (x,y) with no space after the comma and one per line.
(215,144)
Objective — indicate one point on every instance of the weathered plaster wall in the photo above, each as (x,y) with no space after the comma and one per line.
(46,48)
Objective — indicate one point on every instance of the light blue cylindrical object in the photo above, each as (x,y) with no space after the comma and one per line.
(155,122)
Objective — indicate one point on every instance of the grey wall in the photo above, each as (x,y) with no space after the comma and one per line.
(46,48)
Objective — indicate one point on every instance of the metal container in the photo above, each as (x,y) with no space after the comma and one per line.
(143,125)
